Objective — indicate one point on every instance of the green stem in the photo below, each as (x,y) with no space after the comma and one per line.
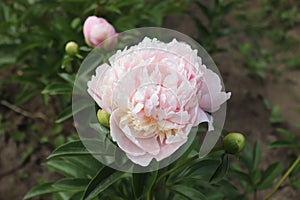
(287,173)
(148,196)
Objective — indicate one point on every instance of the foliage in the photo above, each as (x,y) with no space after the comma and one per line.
(33,37)
(34,32)
(270,26)
(215,26)
(190,177)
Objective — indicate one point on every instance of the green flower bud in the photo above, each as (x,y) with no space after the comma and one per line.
(234,143)
(71,48)
(103,118)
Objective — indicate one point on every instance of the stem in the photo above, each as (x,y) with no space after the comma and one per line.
(287,173)
(148,196)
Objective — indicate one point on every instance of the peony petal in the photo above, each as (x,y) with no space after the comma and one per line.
(117,135)
(212,97)
(94,86)
(143,160)
(204,117)
(150,145)
(168,149)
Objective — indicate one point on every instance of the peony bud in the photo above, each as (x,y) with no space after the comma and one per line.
(103,118)
(234,143)
(96,30)
(71,48)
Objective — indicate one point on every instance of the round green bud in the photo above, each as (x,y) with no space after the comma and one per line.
(234,143)
(103,118)
(71,48)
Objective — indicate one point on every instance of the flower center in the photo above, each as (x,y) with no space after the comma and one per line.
(154,111)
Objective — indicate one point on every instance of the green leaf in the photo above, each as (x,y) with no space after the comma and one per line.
(187,192)
(68,184)
(143,183)
(66,168)
(7,61)
(59,140)
(296,184)
(221,171)
(229,189)
(206,166)
(256,156)
(70,78)
(65,195)
(77,196)
(294,174)
(87,162)
(57,88)
(76,148)
(243,177)
(105,178)
(26,95)
(65,114)
(286,133)
(276,115)
(281,143)
(70,148)
(45,188)
(269,176)
(74,109)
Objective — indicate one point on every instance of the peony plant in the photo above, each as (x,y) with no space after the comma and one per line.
(147,98)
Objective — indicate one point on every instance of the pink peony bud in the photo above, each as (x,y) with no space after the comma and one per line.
(96,30)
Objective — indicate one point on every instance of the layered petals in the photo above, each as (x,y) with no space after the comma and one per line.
(156,92)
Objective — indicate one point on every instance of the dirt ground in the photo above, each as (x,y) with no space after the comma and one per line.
(246,113)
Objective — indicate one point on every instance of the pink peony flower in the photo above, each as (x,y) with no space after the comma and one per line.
(156,92)
(96,30)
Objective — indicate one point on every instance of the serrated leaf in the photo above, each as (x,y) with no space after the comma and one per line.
(105,178)
(187,192)
(222,169)
(269,176)
(45,188)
